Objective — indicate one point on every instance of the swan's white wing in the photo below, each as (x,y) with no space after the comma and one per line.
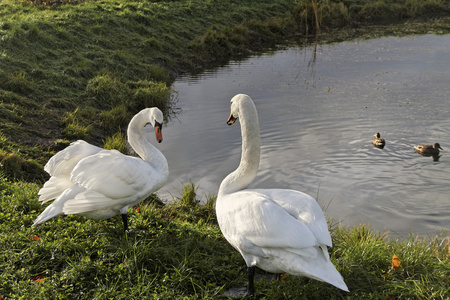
(304,208)
(115,176)
(250,218)
(65,160)
(61,165)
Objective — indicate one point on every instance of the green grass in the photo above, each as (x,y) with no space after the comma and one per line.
(176,251)
(82,69)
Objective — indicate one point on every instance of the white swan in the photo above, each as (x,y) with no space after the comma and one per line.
(97,183)
(277,230)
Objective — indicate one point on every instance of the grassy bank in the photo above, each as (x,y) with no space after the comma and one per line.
(81,70)
(176,251)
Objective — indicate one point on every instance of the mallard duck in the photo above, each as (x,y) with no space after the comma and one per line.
(378,141)
(428,149)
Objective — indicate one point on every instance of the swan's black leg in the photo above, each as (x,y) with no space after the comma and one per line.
(251,281)
(125,222)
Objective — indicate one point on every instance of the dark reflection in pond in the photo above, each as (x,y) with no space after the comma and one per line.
(318,108)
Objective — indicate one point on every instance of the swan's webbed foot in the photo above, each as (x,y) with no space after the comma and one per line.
(236,293)
(243,292)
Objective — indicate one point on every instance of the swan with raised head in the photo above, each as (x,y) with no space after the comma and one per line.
(277,230)
(99,184)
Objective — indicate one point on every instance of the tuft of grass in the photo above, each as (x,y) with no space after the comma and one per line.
(149,94)
(118,141)
(159,74)
(15,167)
(20,83)
(107,91)
(114,119)
(188,195)
(75,127)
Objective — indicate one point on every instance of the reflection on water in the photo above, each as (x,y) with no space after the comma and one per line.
(319,108)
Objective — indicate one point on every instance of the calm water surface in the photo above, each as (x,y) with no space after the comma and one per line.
(319,108)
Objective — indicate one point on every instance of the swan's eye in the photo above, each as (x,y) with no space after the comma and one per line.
(157,124)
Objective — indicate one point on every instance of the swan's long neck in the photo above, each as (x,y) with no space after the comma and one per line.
(142,147)
(246,172)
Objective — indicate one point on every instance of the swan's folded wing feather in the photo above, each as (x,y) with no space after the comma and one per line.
(63,162)
(114,175)
(88,201)
(302,207)
(53,188)
(266,224)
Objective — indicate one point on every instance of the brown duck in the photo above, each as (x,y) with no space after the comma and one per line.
(378,141)
(428,149)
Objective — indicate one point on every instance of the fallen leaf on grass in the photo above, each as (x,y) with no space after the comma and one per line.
(284,276)
(395,262)
(38,278)
(35,238)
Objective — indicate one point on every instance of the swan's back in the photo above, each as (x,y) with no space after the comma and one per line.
(304,208)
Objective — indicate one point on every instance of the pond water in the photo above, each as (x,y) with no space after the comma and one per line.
(319,107)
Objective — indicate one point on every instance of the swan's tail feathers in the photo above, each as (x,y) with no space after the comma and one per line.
(50,212)
(324,270)
(335,278)
(318,267)
(56,208)
(53,188)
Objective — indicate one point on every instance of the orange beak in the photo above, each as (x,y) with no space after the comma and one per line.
(231,120)
(158,133)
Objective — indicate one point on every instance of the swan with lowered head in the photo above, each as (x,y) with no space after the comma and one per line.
(277,230)
(97,183)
